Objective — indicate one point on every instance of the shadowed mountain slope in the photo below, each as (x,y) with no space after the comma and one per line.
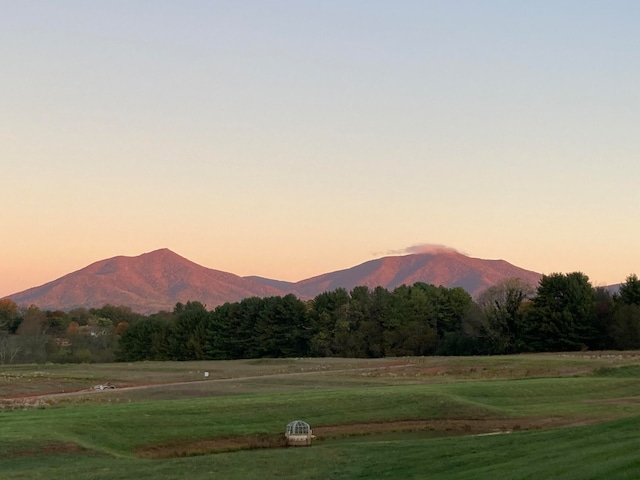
(279,284)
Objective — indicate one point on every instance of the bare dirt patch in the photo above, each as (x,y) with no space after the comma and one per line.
(24,403)
(183,448)
(228,443)
(446,426)
(48,448)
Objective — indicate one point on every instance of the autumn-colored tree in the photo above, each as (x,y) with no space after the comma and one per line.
(34,321)
(73,328)
(121,327)
(502,316)
(32,336)
(8,313)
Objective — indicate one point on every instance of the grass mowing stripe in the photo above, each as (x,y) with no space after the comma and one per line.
(563,454)
(123,427)
(594,451)
(566,453)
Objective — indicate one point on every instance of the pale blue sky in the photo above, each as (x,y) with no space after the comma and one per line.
(291,138)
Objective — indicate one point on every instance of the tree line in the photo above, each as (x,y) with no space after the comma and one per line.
(563,313)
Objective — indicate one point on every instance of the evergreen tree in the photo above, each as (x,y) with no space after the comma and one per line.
(562,315)
(630,291)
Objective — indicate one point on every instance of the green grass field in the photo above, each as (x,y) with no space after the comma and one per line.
(528,416)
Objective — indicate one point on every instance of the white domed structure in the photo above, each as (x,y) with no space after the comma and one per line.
(299,434)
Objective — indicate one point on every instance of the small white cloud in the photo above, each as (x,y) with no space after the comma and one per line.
(430,248)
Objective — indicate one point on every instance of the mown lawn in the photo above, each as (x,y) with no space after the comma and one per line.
(600,451)
(102,438)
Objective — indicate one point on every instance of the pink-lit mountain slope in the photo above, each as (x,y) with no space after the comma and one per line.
(147,283)
(158,280)
(445,267)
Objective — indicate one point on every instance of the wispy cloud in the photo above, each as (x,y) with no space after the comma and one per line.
(420,248)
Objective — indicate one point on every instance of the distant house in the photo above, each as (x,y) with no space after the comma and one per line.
(90,331)
(63,342)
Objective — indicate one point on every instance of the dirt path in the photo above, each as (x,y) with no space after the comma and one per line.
(94,391)
(440,427)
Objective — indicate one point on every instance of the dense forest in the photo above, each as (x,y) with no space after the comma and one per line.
(563,313)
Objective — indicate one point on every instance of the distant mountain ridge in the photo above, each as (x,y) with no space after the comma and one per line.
(446,268)
(147,283)
(157,280)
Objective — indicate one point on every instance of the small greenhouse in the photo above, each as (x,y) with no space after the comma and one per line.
(299,434)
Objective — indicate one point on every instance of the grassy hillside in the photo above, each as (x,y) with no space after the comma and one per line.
(538,416)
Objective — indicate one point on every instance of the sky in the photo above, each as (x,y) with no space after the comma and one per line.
(292,138)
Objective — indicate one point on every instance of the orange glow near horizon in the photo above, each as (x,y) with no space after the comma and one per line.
(289,142)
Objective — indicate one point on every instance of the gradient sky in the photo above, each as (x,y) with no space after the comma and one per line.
(292,138)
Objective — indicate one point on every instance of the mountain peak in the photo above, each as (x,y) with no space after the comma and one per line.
(147,283)
(432,264)
(161,252)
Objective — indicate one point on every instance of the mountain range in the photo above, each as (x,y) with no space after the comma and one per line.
(157,280)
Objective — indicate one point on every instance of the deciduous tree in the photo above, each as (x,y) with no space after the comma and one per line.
(501,306)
